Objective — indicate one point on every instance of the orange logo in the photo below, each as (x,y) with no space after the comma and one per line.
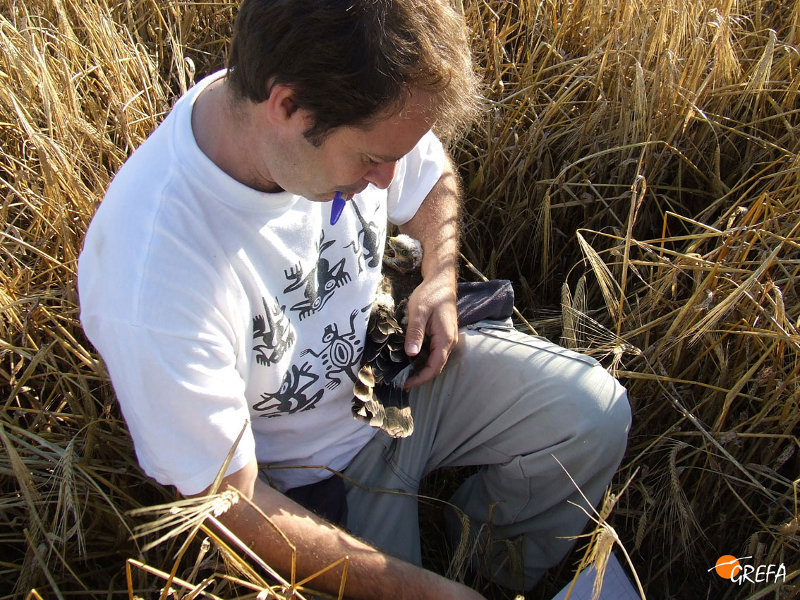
(726,564)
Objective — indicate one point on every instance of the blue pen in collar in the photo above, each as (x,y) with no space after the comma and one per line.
(337,206)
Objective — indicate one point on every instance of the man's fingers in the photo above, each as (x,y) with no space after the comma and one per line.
(415,331)
(431,314)
(439,353)
(431,369)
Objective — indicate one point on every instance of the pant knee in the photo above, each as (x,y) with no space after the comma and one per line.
(604,431)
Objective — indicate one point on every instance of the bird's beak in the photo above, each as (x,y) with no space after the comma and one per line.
(389,250)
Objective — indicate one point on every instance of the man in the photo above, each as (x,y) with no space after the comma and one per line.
(219,294)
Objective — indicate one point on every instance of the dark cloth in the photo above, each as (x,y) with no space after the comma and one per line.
(325,498)
(482,300)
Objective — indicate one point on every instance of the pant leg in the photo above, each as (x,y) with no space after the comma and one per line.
(515,403)
(382,503)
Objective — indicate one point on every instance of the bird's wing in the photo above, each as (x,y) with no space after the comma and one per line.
(382,405)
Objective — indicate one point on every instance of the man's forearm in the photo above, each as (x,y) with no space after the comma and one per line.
(371,573)
(437,226)
(432,306)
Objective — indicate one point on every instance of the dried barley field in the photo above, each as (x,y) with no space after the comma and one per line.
(635,173)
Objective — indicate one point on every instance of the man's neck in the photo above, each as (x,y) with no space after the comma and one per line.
(223,129)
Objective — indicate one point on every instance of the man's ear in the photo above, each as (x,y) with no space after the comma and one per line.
(281,110)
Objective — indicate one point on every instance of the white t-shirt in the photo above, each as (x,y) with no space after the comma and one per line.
(214,305)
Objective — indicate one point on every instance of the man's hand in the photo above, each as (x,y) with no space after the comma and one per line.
(431,314)
(432,306)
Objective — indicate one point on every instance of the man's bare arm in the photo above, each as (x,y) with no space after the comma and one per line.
(432,306)
(371,573)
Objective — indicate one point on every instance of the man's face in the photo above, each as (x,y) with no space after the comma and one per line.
(350,158)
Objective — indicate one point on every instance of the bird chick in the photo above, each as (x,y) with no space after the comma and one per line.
(403,254)
(402,259)
(379,397)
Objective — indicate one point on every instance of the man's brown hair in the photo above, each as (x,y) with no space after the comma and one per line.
(348,61)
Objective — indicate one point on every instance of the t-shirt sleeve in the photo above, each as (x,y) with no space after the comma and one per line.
(156,310)
(182,399)
(416,174)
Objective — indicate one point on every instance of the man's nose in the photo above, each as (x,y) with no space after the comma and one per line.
(381,175)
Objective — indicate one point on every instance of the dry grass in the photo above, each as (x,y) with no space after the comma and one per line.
(636,174)
(638,167)
(82,85)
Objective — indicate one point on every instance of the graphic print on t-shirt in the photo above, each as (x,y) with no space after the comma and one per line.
(371,238)
(274,332)
(292,396)
(319,354)
(341,353)
(319,283)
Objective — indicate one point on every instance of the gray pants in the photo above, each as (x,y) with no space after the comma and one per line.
(514,403)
